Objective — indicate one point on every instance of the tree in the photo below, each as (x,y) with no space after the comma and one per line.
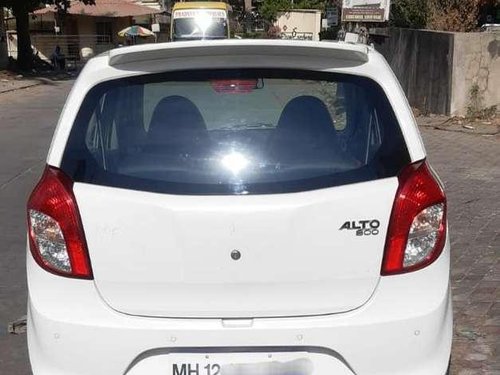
(444,15)
(409,13)
(455,15)
(3,42)
(21,10)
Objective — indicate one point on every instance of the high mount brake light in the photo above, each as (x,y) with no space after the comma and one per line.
(234,86)
(56,236)
(417,229)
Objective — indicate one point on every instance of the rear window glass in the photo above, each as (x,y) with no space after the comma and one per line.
(235,132)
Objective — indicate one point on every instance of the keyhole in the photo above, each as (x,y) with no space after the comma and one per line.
(235,255)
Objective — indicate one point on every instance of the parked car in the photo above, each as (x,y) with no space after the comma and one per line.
(238,207)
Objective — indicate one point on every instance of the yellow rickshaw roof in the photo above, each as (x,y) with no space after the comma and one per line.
(201,5)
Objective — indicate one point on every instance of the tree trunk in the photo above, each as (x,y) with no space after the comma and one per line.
(24,51)
(3,42)
(248,5)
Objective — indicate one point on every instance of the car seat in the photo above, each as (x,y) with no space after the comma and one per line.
(177,128)
(305,134)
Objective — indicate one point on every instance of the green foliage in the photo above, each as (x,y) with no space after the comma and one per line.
(26,6)
(270,8)
(445,15)
(29,5)
(409,13)
(455,15)
(329,34)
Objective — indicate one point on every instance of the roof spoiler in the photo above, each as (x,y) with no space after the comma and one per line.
(164,51)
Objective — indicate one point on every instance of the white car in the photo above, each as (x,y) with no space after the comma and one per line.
(238,208)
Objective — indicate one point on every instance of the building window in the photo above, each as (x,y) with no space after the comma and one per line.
(104,31)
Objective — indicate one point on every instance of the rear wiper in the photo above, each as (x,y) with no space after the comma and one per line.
(262,125)
(257,125)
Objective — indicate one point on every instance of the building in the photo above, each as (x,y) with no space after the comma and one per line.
(86,30)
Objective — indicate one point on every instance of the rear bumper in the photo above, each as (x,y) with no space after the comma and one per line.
(405,328)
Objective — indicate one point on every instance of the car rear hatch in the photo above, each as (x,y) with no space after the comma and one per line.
(249,193)
(163,255)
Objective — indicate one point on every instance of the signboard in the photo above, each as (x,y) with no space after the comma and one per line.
(365,10)
(193,13)
(332,16)
(155,27)
(299,24)
(297,35)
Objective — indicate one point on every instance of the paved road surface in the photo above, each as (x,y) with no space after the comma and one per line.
(470,168)
(27,120)
(468,164)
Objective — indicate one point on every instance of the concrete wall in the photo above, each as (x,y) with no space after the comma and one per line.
(476,61)
(422,62)
(87,26)
(438,69)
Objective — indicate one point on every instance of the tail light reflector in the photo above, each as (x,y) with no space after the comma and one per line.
(55,231)
(417,229)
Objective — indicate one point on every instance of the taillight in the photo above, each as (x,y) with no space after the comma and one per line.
(55,231)
(417,229)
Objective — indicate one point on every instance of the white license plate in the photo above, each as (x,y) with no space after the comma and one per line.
(245,364)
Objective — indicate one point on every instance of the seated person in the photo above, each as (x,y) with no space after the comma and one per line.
(58,59)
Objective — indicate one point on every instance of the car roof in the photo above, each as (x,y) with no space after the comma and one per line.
(201,5)
(336,57)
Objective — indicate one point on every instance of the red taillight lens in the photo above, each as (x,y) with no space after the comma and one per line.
(55,231)
(417,230)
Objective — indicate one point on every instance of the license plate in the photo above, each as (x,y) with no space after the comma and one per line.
(245,366)
(196,369)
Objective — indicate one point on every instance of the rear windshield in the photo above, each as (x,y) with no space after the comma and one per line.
(235,132)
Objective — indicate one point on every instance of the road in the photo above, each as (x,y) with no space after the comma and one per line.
(468,164)
(27,120)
